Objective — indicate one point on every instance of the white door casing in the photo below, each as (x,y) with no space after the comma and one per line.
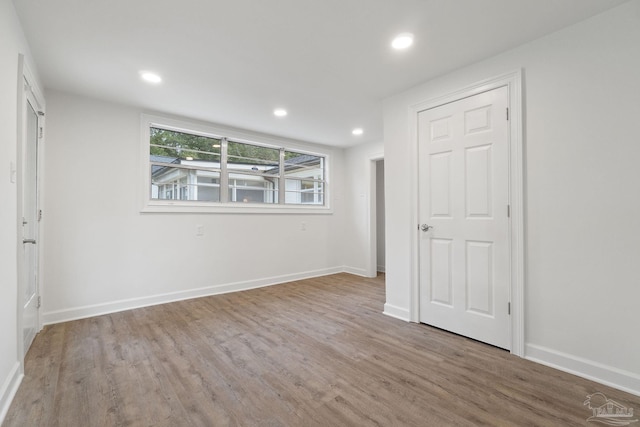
(29,292)
(464,259)
(31,130)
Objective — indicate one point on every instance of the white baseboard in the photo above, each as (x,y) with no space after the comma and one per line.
(9,389)
(356,271)
(397,312)
(381,269)
(594,371)
(66,315)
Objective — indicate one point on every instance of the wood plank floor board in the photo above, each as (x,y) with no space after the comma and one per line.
(44,365)
(191,377)
(315,352)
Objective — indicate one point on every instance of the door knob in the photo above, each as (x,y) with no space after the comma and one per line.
(425,227)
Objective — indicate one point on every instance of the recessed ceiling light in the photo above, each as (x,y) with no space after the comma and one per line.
(150,77)
(357,131)
(402,41)
(280,112)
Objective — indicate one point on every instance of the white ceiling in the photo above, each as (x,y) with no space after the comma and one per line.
(328,62)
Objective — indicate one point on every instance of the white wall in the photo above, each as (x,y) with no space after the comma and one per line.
(102,254)
(582,192)
(358,249)
(12,43)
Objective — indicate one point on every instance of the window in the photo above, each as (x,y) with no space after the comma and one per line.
(192,168)
(304,175)
(254,173)
(184,166)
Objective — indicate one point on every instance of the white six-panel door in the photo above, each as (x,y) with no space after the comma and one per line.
(464,235)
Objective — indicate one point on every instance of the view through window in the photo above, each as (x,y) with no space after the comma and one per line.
(190,167)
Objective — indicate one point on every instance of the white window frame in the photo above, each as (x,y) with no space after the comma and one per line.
(149,205)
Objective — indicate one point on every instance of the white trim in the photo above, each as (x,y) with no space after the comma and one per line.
(356,271)
(128,304)
(9,389)
(381,269)
(148,205)
(29,93)
(179,207)
(396,312)
(372,244)
(29,77)
(513,82)
(594,371)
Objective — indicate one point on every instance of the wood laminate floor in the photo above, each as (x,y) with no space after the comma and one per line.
(317,352)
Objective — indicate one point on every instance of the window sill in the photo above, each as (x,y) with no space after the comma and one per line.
(233,208)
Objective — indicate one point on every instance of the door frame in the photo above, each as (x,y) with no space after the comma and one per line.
(513,82)
(372,244)
(28,92)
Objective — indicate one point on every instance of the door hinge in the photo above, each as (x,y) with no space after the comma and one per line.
(507,113)
(41,134)
(508,308)
(508,211)
(39,301)
(39,215)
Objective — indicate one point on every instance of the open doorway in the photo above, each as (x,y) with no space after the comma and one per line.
(380,218)
(376,207)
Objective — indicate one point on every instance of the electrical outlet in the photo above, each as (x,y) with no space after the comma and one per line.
(199,230)
(303,226)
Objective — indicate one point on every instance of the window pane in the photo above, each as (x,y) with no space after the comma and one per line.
(304,192)
(182,156)
(254,158)
(175,183)
(298,165)
(253,189)
(304,182)
(208,186)
(169,146)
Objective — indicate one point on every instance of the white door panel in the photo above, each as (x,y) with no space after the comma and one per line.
(29,282)
(464,194)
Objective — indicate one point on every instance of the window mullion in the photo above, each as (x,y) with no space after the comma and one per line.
(224,176)
(281,180)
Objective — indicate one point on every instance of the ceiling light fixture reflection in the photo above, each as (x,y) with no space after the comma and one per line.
(357,131)
(402,41)
(150,77)
(280,112)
